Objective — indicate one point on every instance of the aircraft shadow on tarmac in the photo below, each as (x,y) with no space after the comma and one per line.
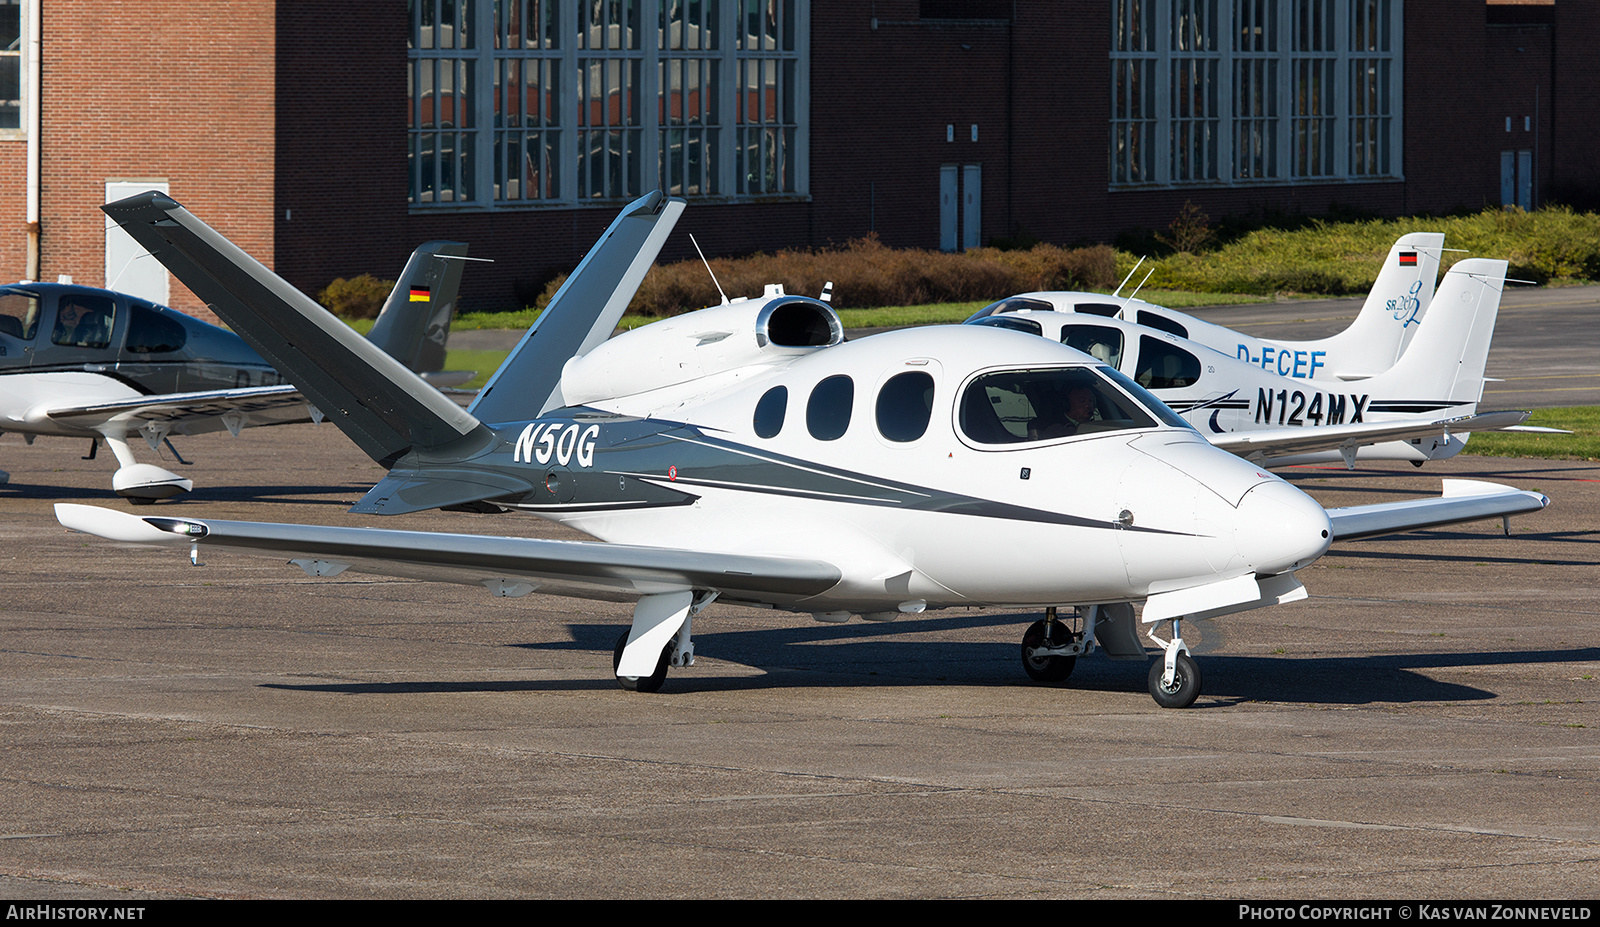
(856,655)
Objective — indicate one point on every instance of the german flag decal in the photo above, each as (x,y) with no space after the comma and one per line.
(419,294)
(1407,259)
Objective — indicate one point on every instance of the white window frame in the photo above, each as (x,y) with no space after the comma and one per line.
(1169,133)
(641,156)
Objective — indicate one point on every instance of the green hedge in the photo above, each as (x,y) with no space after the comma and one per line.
(1334,259)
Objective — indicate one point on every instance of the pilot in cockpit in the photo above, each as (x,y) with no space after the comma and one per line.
(80,324)
(1080,409)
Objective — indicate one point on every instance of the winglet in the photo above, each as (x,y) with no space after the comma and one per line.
(111,524)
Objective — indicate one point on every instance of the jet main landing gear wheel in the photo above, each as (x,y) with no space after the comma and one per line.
(1185,686)
(650,683)
(1046,667)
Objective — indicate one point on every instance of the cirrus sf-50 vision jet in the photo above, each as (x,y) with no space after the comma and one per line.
(748,454)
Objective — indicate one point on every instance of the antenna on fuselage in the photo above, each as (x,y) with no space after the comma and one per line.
(709,270)
(1127,278)
(1122,313)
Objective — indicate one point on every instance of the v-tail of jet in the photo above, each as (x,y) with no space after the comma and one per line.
(397,418)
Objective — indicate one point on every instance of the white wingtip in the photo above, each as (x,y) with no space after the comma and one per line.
(110,524)
(1455,488)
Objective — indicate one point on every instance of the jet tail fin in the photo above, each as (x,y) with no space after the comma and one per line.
(414,324)
(384,407)
(581,315)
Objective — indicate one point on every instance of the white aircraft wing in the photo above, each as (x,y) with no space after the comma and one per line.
(506,566)
(1461,501)
(1282,442)
(194,413)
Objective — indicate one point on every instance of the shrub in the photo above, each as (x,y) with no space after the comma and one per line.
(1190,232)
(356,298)
(866,274)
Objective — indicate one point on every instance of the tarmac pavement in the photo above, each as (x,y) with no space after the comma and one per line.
(1425,726)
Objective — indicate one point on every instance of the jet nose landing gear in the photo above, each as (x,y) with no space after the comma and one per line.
(1175,678)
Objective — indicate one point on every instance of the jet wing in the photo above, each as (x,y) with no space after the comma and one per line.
(194,413)
(1461,501)
(1283,442)
(506,566)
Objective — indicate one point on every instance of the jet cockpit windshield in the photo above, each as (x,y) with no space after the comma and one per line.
(1019,406)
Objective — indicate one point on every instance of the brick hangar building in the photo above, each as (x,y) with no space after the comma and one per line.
(329,139)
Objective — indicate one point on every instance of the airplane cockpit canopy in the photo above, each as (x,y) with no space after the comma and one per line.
(1020,406)
(1011,304)
(19,313)
(89,318)
(1012,323)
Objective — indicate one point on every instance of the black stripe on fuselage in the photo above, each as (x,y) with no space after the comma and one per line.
(734,467)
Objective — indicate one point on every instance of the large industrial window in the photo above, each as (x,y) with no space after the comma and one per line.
(518,103)
(1253,91)
(11,76)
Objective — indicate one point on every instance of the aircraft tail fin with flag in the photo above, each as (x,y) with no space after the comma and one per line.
(384,407)
(414,325)
(1400,296)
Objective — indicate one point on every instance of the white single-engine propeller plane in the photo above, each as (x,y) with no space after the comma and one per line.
(1422,407)
(746,453)
(82,362)
(1389,318)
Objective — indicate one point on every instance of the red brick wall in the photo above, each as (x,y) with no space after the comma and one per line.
(14,209)
(182,92)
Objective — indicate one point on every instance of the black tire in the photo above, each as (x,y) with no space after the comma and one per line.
(1046,668)
(140,500)
(650,683)
(1185,686)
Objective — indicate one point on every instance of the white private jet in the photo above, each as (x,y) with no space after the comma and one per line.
(1423,407)
(1389,318)
(82,362)
(745,453)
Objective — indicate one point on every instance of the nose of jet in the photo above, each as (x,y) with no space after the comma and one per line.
(1280,528)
